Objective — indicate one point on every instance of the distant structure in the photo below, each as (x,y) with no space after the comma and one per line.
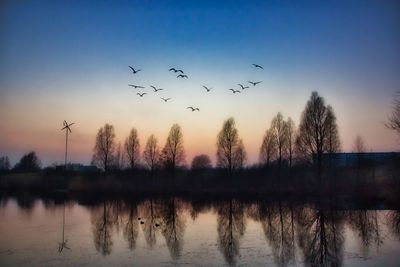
(352,159)
(67,127)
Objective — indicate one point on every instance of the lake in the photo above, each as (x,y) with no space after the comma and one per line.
(202,231)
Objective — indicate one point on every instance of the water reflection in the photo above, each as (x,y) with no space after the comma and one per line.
(173,225)
(321,236)
(278,224)
(102,227)
(231,225)
(296,234)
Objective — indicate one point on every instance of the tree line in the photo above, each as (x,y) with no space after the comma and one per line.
(282,144)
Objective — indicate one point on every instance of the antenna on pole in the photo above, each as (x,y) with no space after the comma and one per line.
(67,129)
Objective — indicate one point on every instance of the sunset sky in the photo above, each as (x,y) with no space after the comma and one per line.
(69,60)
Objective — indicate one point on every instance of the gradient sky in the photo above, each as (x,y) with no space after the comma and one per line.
(69,60)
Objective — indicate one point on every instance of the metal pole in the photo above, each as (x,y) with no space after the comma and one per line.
(66,148)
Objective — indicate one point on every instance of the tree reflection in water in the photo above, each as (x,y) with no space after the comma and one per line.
(393,221)
(131,227)
(365,224)
(151,216)
(277,222)
(102,227)
(231,225)
(320,235)
(173,226)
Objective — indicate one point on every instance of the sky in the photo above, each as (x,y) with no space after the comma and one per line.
(69,60)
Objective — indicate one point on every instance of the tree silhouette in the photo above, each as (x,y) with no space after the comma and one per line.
(104,147)
(280,132)
(5,164)
(201,162)
(173,153)
(132,148)
(359,146)
(231,226)
(268,148)
(394,118)
(333,140)
(312,139)
(151,153)
(28,162)
(291,136)
(230,149)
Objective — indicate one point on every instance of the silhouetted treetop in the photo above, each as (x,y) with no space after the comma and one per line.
(28,162)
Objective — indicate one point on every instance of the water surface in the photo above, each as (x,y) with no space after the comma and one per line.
(204,232)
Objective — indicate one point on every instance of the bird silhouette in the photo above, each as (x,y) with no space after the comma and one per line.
(175,70)
(182,76)
(234,91)
(165,99)
(136,86)
(254,83)
(257,66)
(243,87)
(208,89)
(141,94)
(155,89)
(193,109)
(133,70)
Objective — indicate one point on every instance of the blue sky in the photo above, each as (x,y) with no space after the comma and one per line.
(69,59)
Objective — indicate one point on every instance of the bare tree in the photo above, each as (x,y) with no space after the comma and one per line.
(280,131)
(28,162)
(119,158)
(312,138)
(229,147)
(239,156)
(394,118)
(333,140)
(359,146)
(173,153)
(201,162)
(151,153)
(268,148)
(291,136)
(104,147)
(132,148)
(5,164)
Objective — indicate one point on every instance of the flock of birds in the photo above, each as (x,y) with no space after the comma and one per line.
(182,75)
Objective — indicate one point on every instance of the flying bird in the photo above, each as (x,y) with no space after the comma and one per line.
(133,70)
(254,83)
(234,91)
(175,70)
(257,66)
(208,89)
(165,99)
(141,94)
(243,87)
(182,76)
(136,86)
(155,89)
(193,109)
